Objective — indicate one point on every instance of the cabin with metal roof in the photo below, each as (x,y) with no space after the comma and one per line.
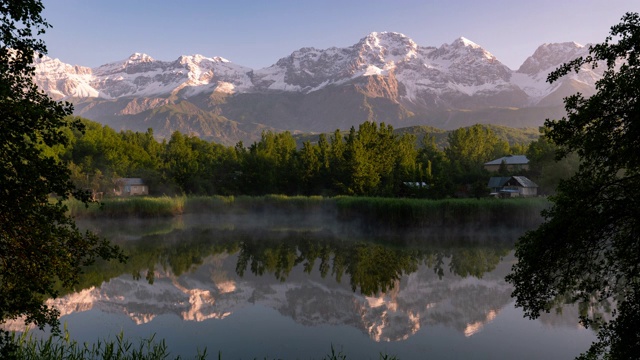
(130,187)
(512,186)
(512,163)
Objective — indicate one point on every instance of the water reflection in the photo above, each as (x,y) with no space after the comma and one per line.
(387,288)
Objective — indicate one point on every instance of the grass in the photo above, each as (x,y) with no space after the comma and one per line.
(25,346)
(165,206)
(135,206)
(420,213)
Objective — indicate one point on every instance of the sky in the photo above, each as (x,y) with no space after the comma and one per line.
(257,33)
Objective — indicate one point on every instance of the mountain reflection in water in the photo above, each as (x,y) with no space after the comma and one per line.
(388,289)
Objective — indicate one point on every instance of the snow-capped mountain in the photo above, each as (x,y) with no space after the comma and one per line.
(310,69)
(383,77)
(531,77)
(142,76)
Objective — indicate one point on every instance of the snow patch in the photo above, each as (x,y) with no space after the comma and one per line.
(467,42)
(225,87)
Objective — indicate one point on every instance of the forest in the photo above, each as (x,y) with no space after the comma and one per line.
(371,160)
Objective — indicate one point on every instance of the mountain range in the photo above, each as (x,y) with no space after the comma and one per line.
(384,77)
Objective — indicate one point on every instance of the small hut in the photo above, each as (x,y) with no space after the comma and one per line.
(512,186)
(130,187)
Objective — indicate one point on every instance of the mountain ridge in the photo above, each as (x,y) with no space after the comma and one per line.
(384,77)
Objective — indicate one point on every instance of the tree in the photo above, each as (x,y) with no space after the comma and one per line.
(40,247)
(338,172)
(473,146)
(544,169)
(180,159)
(588,248)
(467,151)
(437,165)
(309,168)
(269,165)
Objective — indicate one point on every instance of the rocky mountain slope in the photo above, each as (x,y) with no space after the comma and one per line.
(385,77)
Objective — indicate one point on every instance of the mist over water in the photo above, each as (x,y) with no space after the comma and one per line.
(357,219)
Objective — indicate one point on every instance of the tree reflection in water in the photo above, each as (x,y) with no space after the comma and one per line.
(372,265)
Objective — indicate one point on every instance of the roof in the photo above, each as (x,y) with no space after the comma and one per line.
(524,181)
(510,160)
(498,181)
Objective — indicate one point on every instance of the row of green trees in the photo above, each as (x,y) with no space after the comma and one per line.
(371,160)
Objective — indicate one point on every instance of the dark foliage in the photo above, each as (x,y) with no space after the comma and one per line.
(40,247)
(588,250)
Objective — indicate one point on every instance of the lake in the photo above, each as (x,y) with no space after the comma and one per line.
(253,289)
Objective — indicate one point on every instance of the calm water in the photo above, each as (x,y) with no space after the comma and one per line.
(292,292)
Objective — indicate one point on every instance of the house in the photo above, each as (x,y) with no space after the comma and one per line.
(130,187)
(512,186)
(512,162)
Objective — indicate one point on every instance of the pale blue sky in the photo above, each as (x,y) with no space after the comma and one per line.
(256,33)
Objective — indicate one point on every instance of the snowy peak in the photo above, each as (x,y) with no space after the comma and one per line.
(54,67)
(62,80)
(310,69)
(548,56)
(462,48)
(386,47)
(465,67)
(136,58)
(199,59)
(136,63)
(463,41)
(531,77)
(141,76)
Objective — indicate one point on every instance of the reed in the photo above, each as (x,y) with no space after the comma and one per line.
(418,213)
(282,203)
(202,204)
(145,207)
(26,346)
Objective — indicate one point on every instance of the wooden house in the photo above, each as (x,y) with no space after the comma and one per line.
(130,187)
(512,186)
